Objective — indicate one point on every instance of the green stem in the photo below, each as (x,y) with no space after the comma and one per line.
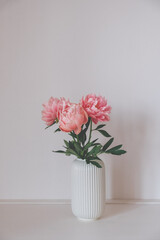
(78,139)
(90,132)
(73,137)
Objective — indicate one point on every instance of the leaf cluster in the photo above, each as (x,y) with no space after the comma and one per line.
(88,150)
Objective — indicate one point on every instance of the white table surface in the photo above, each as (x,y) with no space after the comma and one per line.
(56,222)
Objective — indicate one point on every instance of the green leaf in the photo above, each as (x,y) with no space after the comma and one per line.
(82,136)
(90,144)
(59,151)
(96,164)
(100,126)
(70,151)
(71,145)
(95,150)
(50,125)
(114,149)
(66,143)
(104,133)
(57,130)
(73,134)
(77,148)
(107,144)
(97,144)
(94,140)
(91,158)
(118,152)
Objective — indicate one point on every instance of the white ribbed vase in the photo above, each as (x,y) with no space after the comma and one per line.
(88,190)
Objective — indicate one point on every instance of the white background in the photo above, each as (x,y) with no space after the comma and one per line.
(71,48)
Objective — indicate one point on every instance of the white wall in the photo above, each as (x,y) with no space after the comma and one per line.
(70,48)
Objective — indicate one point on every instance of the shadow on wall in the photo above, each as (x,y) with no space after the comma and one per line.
(126,173)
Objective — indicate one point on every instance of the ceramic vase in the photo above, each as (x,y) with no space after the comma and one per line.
(88,190)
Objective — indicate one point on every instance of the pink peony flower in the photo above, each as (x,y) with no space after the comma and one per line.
(62,106)
(72,117)
(49,114)
(96,108)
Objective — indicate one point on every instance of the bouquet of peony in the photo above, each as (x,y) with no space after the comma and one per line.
(76,120)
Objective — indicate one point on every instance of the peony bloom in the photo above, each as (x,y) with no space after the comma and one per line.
(49,114)
(72,117)
(96,108)
(62,106)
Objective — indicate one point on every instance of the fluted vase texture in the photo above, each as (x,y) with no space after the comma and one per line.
(88,190)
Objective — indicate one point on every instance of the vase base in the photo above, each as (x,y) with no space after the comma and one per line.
(87,219)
